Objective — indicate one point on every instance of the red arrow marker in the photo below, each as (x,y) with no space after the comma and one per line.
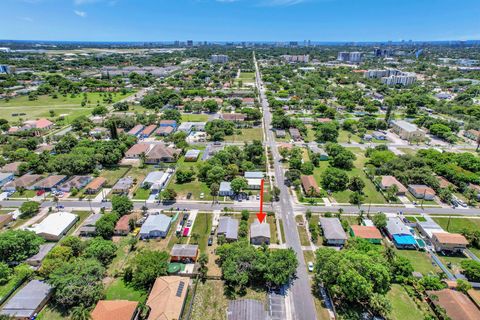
(261,216)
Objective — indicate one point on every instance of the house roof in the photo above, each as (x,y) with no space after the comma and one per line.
(123,224)
(135,130)
(192,153)
(309,182)
(55,223)
(253,175)
(50,181)
(96,183)
(443,183)
(42,252)
(258,229)
(421,189)
(456,304)
(160,151)
(138,149)
(225,186)
(123,184)
(167,297)
(149,129)
(91,220)
(233,116)
(153,222)
(165,129)
(407,126)
(43,123)
(294,132)
(25,180)
(396,226)
(153,177)
(366,232)
(184,250)
(114,310)
(27,300)
(450,238)
(229,227)
(246,309)
(388,181)
(76,182)
(168,122)
(11,167)
(332,229)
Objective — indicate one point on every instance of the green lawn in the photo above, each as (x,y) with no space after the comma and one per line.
(202,227)
(50,313)
(113,174)
(26,194)
(421,262)
(194,117)
(141,193)
(82,215)
(118,290)
(12,282)
(458,224)
(403,307)
(273,229)
(248,135)
(343,137)
(247,77)
(302,232)
(40,108)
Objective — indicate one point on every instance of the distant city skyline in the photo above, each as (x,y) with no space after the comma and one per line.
(240,20)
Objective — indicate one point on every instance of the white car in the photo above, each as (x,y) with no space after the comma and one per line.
(310,266)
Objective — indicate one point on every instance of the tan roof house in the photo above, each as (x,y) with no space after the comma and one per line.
(167,298)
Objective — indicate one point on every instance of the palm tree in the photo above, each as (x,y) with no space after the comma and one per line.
(80,313)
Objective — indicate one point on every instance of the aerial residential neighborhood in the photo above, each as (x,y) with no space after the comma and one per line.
(261,179)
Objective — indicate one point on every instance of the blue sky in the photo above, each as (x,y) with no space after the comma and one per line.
(227,20)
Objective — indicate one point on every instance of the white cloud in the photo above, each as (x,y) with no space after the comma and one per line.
(81,14)
(282,3)
(28,19)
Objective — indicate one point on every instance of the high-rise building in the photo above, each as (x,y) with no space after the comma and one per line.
(352,57)
(403,78)
(219,58)
(378,74)
(189,43)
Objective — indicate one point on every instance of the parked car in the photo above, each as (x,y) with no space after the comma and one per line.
(310,266)
(202,195)
(189,195)
(40,192)
(210,241)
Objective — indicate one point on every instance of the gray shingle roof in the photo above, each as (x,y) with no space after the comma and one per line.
(184,250)
(26,301)
(228,227)
(258,229)
(332,229)
(159,222)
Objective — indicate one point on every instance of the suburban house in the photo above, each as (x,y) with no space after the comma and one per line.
(457,305)
(88,226)
(225,189)
(191,126)
(400,234)
(167,298)
(279,133)
(333,232)
(389,181)
(161,153)
(246,309)
(295,134)
(95,185)
(248,101)
(185,253)
(228,228)
(428,228)
(168,123)
(5,219)
(123,185)
(235,117)
(55,225)
(155,226)
(164,131)
(372,234)
(36,259)
(5,178)
(195,137)
(259,233)
(309,185)
(444,183)
(421,191)
(135,131)
(77,182)
(115,310)
(147,131)
(49,183)
(451,242)
(28,301)
(318,151)
(192,155)
(407,131)
(25,181)
(11,167)
(136,151)
(122,228)
(153,180)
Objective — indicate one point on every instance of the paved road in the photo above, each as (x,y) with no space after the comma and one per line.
(300,291)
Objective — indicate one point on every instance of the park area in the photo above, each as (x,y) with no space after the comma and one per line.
(21,108)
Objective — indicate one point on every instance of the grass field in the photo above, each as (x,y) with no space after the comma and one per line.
(40,108)
(421,262)
(370,192)
(247,77)
(113,174)
(49,313)
(194,117)
(202,227)
(343,137)
(118,290)
(458,224)
(248,135)
(403,307)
